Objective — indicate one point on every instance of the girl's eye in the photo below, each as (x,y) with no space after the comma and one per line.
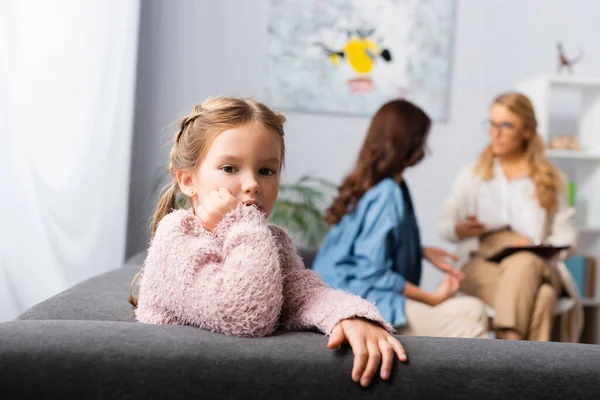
(229,169)
(266,171)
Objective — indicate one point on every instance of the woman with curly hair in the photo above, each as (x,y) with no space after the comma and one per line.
(513,196)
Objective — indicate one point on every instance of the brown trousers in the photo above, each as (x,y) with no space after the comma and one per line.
(522,289)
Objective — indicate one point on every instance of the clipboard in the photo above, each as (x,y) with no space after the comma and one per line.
(544,251)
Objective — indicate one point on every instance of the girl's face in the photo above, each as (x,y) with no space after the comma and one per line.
(245,160)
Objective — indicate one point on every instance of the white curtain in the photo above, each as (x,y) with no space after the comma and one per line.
(67,83)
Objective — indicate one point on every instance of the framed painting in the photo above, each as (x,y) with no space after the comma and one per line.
(344,56)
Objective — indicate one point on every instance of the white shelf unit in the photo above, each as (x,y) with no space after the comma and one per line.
(589,230)
(581,167)
(572,155)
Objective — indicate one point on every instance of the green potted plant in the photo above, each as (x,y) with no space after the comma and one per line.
(300,208)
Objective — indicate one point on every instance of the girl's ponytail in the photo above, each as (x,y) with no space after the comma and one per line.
(165,205)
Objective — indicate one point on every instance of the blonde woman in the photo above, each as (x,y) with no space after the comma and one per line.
(512,195)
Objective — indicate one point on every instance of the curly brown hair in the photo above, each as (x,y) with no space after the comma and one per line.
(395,141)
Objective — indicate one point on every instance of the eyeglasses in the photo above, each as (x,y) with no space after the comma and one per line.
(502,127)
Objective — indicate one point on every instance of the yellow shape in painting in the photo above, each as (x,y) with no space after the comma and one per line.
(357,51)
(335,59)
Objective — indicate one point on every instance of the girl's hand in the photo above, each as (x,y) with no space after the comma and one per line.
(439,258)
(215,206)
(447,289)
(371,345)
(470,227)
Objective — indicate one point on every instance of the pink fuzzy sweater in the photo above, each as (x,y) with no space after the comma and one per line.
(246,279)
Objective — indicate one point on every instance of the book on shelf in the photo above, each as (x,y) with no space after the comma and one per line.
(583,271)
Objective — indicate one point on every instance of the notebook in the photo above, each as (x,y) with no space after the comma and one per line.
(544,251)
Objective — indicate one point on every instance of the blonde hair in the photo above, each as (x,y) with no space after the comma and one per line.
(545,176)
(197,130)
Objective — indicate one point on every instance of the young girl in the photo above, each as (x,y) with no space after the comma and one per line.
(374,248)
(221,266)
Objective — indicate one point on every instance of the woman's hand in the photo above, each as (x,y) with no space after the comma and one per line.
(470,227)
(522,242)
(447,289)
(371,344)
(439,258)
(215,206)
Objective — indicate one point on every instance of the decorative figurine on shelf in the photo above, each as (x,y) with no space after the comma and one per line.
(565,142)
(564,62)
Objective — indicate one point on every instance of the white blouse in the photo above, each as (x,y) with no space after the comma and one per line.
(499,202)
(510,203)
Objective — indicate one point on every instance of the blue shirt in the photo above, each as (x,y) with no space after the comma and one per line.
(374,250)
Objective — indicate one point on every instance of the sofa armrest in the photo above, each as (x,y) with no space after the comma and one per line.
(104,360)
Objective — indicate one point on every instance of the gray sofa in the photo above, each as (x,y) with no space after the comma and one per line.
(84,344)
